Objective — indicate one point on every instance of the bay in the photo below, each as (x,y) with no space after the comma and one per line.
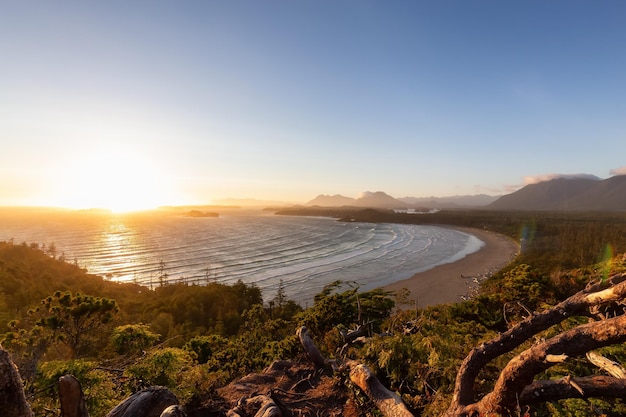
(301,254)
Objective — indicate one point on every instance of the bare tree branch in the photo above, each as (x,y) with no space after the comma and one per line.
(603,292)
(522,369)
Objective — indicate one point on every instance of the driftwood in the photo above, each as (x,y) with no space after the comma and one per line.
(149,402)
(71,397)
(516,386)
(12,399)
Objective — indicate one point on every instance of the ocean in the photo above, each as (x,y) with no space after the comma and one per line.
(303,254)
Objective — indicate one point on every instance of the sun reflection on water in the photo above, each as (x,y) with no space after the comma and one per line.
(120,243)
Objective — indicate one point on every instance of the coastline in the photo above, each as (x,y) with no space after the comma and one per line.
(448,283)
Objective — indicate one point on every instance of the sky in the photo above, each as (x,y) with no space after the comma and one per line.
(130,104)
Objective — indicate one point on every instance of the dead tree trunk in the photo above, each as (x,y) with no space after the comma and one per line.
(12,399)
(149,402)
(71,397)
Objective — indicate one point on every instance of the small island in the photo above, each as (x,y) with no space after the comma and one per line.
(198,213)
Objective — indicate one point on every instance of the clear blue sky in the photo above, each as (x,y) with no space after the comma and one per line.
(167,102)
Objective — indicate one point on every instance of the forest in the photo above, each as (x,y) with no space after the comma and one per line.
(218,349)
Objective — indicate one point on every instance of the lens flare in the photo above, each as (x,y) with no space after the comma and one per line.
(606,261)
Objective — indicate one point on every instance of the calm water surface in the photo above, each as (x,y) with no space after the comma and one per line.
(305,253)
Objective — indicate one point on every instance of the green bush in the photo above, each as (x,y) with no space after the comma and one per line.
(166,367)
(99,388)
(132,339)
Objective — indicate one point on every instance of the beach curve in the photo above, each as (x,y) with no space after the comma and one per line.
(449,283)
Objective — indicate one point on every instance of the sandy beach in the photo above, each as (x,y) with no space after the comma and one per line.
(449,282)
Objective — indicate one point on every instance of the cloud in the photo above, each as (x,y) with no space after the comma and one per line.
(367,194)
(535,179)
(618,171)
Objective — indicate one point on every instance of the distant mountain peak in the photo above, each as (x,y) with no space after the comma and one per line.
(336,200)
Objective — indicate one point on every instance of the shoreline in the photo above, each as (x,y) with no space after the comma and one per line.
(448,283)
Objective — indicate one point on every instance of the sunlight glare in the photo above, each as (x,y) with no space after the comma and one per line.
(116,180)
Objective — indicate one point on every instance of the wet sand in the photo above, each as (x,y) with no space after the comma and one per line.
(448,283)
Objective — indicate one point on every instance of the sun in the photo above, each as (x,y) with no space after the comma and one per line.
(117,180)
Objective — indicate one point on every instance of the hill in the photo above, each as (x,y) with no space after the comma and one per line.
(567,194)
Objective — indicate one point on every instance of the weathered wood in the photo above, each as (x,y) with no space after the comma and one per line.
(12,399)
(388,402)
(149,402)
(265,405)
(311,348)
(613,368)
(71,397)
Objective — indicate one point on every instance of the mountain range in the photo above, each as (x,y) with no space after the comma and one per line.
(380,199)
(560,194)
(567,194)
